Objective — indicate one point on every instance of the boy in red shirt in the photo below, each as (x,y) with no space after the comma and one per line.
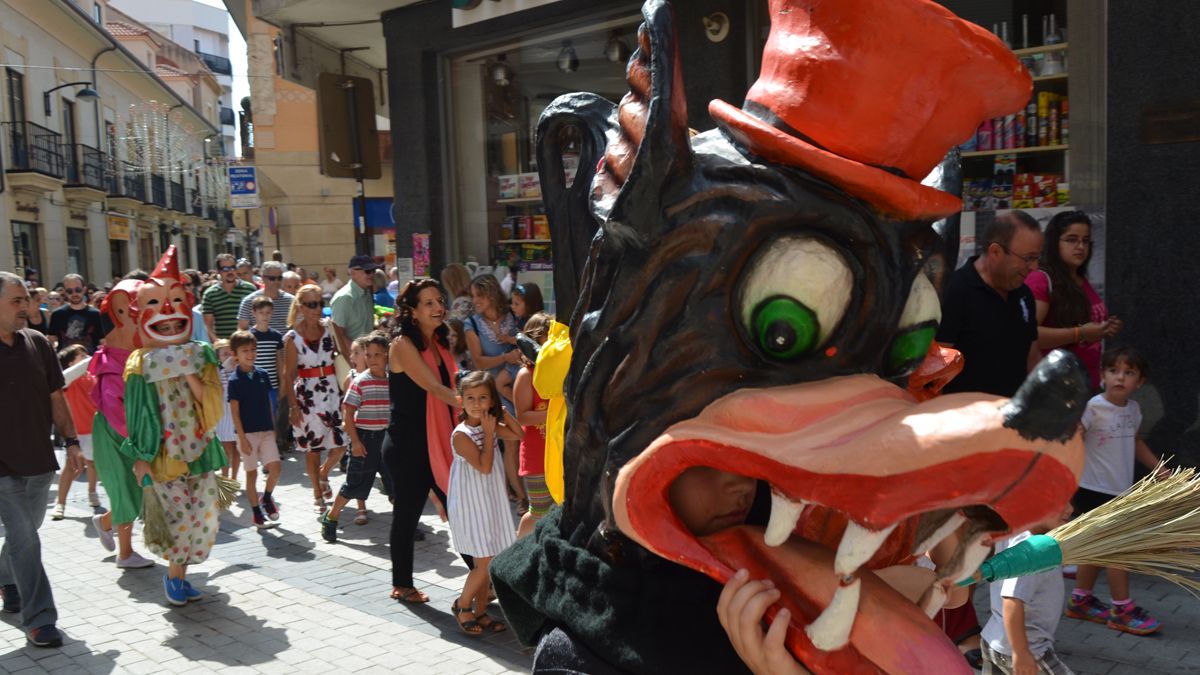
(78,393)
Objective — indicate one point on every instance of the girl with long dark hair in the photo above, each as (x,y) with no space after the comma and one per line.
(1069,311)
(417,448)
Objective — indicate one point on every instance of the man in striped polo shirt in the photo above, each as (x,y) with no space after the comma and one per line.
(272,276)
(221,301)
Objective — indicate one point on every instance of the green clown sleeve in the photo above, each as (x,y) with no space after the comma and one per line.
(141,419)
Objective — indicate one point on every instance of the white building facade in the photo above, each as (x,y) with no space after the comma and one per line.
(103,163)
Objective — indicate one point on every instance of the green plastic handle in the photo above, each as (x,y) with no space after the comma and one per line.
(1038,553)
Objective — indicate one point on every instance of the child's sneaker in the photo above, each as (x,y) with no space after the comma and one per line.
(1088,609)
(269,507)
(260,521)
(1134,620)
(93,500)
(173,589)
(59,512)
(328,528)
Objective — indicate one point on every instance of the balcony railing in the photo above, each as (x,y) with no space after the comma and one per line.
(227,117)
(112,179)
(218,64)
(178,201)
(91,171)
(158,190)
(133,181)
(32,147)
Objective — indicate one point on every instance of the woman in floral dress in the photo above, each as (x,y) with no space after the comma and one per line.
(311,381)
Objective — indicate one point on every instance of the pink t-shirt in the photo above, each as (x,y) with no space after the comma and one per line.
(1039,282)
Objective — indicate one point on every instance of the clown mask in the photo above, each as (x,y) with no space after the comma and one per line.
(121,309)
(164,310)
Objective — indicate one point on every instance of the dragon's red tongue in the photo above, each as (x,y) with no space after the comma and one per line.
(890,634)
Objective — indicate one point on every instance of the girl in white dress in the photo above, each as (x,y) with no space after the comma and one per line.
(481,522)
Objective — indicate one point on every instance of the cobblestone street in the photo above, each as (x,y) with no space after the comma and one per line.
(284,601)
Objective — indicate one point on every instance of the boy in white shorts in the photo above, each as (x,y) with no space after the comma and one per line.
(254,420)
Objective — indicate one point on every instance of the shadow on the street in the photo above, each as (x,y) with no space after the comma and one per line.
(267,641)
(499,646)
(93,661)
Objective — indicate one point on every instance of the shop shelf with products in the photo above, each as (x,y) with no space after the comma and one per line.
(1023,160)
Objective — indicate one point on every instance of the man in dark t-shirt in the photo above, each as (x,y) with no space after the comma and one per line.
(31,397)
(75,323)
(988,313)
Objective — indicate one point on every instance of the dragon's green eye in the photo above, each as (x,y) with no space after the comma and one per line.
(909,348)
(794,295)
(785,329)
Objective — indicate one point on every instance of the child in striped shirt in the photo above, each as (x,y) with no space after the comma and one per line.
(366,412)
(268,345)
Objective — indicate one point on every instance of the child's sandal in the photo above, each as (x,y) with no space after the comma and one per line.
(489,624)
(360,517)
(470,626)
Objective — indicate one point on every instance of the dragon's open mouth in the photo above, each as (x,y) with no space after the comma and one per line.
(922,471)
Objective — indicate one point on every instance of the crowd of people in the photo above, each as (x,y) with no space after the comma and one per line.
(362,374)
(1025,293)
(421,389)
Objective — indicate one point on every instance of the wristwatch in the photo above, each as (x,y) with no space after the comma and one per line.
(68,442)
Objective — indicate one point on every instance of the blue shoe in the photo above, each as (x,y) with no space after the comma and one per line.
(191,593)
(174,590)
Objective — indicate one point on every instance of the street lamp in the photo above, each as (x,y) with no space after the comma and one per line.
(85,94)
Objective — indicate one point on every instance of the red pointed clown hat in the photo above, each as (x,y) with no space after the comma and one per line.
(871,94)
(168,266)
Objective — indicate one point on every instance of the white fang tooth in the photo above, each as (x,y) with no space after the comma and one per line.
(784,515)
(831,630)
(857,546)
(933,599)
(972,556)
(939,534)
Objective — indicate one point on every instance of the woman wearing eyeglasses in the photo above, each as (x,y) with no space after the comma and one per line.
(1069,311)
(309,383)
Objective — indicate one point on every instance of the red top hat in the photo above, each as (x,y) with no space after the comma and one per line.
(168,265)
(871,94)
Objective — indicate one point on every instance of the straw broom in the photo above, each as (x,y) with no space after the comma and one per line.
(1152,528)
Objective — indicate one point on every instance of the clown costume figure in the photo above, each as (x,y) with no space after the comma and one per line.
(172,405)
(109,430)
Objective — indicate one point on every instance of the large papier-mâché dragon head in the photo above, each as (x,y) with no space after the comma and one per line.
(752,299)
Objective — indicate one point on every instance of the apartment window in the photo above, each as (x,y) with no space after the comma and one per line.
(97,13)
(202,253)
(25,246)
(116,257)
(77,252)
(16,95)
(279,55)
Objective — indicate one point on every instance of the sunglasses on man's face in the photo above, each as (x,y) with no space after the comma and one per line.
(272,278)
(73,291)
(314,304)
(226,268)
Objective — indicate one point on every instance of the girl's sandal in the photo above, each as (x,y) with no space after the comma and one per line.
(326,490)
(489,624)
(470,626)
(360,517)
(409,595)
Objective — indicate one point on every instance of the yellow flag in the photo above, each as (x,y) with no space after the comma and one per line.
(549,373)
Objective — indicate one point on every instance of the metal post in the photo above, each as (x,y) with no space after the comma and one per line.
(362,236)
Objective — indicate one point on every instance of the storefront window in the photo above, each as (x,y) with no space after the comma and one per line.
(25,247)
(77,252)
(495,100)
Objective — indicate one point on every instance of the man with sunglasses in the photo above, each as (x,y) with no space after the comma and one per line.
(76,322)
(353,305)
(272,278)
(223,300)
(988,314)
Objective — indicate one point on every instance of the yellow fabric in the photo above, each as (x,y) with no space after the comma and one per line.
(549,373)
(211,408)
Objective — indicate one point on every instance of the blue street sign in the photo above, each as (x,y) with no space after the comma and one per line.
(243,187)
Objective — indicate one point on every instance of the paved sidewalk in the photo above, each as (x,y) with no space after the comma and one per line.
(277,601)
(284,601)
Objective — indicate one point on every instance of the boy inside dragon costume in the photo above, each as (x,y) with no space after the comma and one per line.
(172,405)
